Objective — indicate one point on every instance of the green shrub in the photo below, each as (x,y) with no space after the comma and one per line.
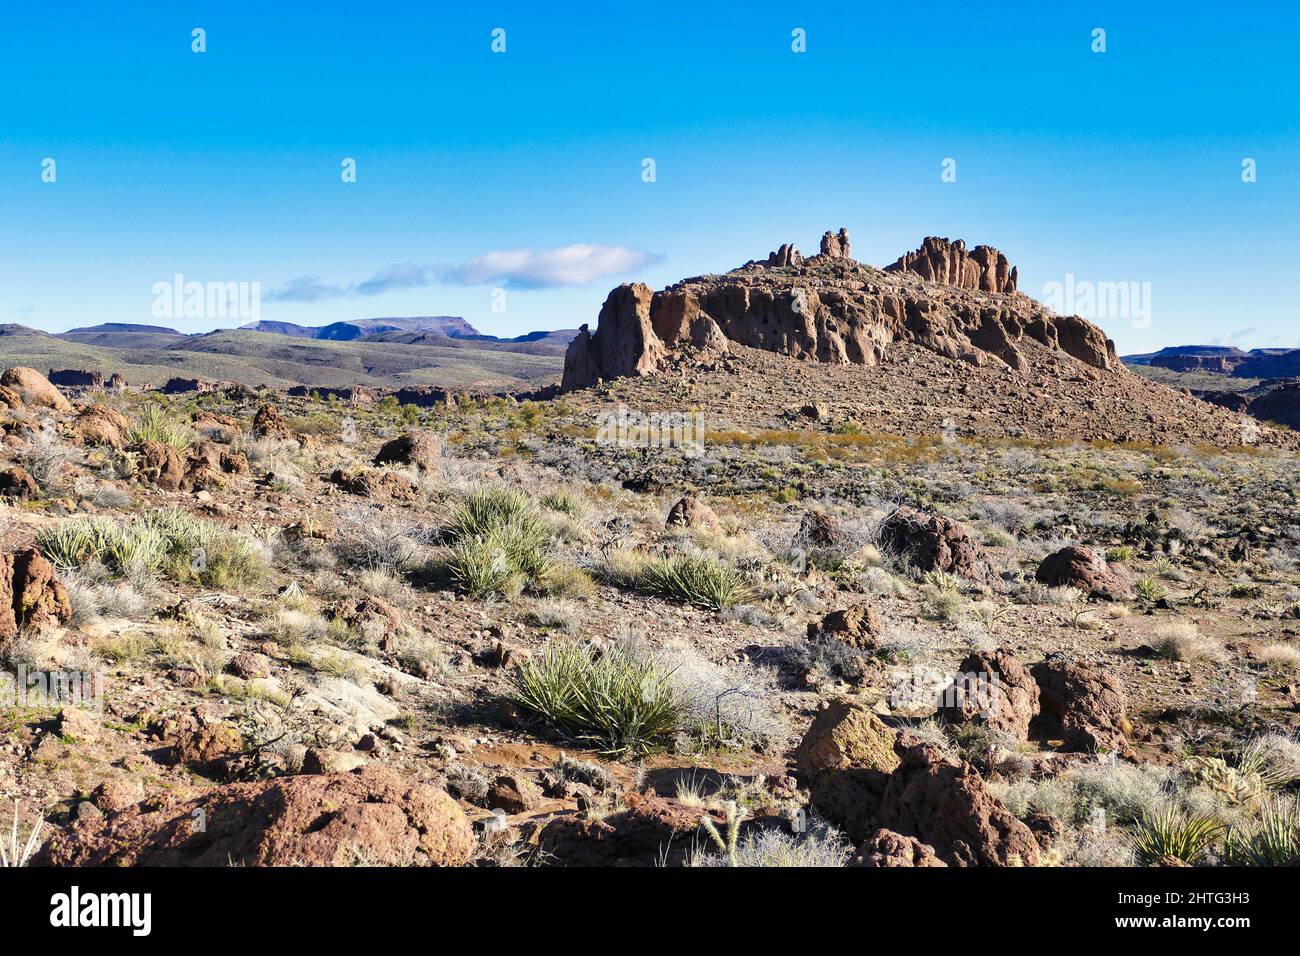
(155,424)
(482,567)
(1170,833)
(1273,840)
(693,580)
(619,699)
(499,544)
(562,502)
(1149,590)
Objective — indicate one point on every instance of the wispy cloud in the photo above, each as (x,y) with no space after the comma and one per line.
(518,268)
(528,269)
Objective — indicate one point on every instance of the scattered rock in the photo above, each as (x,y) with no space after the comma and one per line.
(846,758)
(858,626)
(421,449)
(933,542)
(99,424)
(1082,705)
(513,793)
(369,483)
(992,689)
(885,848)
(267,423)
(319,761)
(15,482)
(160,465)
(691,512)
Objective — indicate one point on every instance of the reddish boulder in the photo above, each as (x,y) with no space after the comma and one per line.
(649,830)
(16,482)
(267,423)
(160,465)
(944,803)
(419,448)
(388,485)
(99,424)
(372,817)
(1081,705)
(932,542)
(885,848)
(845,759)
(31,595)
(858,626)
(691,512)
(1086,570)
(992,689)
(34,388)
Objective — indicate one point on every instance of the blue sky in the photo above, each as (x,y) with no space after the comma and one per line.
(478,171)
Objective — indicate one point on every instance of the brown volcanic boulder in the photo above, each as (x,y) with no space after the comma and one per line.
(34,388)
(419,448)
(267,423)
(858,626)
(15,482)
(160,465)
(1081,705)
(993,689)
(932,542)
(371,817)
(940,260)
(885,848)
(691,512)
(624,342)
(377,484)
(648,830)
(31,595)
(9,398)
(846,758)
(1086,570)
(943,803)
(100,424)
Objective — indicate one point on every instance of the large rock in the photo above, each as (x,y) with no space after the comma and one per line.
(846,758)
(885,848)
(625,342)
(267,423)
(933,542)
(994,690)
(691,512)
(378,484)
(31,595)
(648,830)
(99,424)
(160,465)
(34,388)
(1086,570)
(16,482)
(858,626)
(1081,705)
(371,817)
(944,803)
(836,245)
(418,448)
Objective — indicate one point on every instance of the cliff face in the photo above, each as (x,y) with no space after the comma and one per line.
(829,308)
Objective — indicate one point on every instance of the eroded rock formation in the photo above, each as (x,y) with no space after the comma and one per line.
(832,309)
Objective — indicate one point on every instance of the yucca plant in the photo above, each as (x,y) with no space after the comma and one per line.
(19,852)
(498,544)
(1169,834)
(619,699)
(1273,840)
(154,424)
(483,568)
(693,580)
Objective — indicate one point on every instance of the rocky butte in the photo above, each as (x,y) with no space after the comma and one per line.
(961,303)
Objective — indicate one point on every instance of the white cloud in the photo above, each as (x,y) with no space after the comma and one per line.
(570,265)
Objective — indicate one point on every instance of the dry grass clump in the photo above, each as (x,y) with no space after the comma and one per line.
(1183,641)
(1280,656)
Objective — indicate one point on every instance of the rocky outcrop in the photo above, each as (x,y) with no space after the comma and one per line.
(647,830)
(787,255)
(994,690)
(160,465)
(370,817)
(932,542)
(31,595)
(1086,570)
(34,388)
(76,378)
(983,268)
(267,423)
(944,803)
(625,341)
(832,309)
(836,245)
(1081,705)
(16,482)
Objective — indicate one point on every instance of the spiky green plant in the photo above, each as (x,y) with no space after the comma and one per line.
(1272,840)
(483,568)
(498,541)
(1172,834)
(693,580)
(619,699)
(726,844)
(155,424)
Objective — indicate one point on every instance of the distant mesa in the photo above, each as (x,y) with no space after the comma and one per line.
(1223,360)
(960,303)
(354,329)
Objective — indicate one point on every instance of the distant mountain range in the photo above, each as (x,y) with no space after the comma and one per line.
(1223,360)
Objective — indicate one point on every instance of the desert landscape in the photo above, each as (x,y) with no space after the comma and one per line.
(811,563)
